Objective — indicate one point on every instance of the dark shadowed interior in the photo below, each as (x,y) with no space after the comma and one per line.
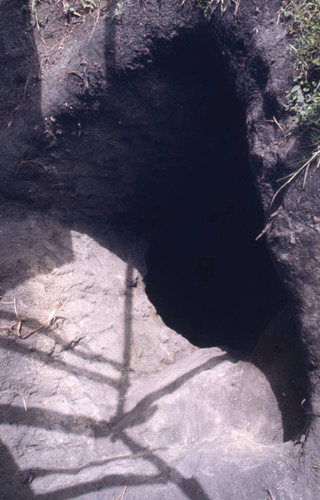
(208,277)
(163,156)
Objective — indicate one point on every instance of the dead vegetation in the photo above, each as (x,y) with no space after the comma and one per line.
(15,326)
(210,6)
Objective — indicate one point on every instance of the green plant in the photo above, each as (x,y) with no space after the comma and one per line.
(69,10)
(303,23)
(303,99)
(89,4)
(34,13)
(209,6)
(119,9)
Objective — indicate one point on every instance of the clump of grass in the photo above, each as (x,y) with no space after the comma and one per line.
(209,6)
(303,23)
(89,4)
(74,7)
(303,99)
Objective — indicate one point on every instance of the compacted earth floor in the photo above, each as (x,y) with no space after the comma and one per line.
(101,400)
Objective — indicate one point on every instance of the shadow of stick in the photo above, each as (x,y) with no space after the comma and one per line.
(124,383)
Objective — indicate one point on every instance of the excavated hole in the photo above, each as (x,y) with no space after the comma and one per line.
(207,276)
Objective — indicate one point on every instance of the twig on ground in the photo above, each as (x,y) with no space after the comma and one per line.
(15,306)
(23,162)
(50,321)
(95,23)
(305,167)
(274,120)
(121,496)
(268,225)
(308,412)
(278,124)
(237,7)
(17,323)
(16,392)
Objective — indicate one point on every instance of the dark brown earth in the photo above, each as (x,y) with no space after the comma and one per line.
(160,349)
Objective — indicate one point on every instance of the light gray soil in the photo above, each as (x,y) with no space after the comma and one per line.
(115,400)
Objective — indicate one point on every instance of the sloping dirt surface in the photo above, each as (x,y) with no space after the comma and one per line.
(99,397)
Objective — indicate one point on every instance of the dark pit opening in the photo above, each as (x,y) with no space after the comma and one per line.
(208,277)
